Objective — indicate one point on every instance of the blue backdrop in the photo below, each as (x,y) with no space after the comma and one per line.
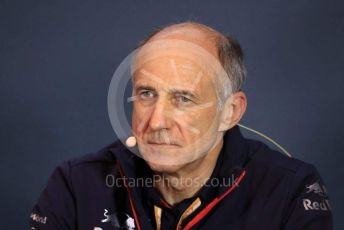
(57,59)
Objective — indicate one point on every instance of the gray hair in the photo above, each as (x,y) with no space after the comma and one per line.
(232,60)
(230,55)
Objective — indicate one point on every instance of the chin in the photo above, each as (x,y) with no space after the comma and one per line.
(163,168)
(167,158)
(163,161)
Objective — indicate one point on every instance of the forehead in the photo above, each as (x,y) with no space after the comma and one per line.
(171,68)
(174,63)
(174,72)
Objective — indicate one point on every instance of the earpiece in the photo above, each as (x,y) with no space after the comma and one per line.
(131,141)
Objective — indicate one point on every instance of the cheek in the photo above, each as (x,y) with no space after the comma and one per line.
(139,119)
(199,125)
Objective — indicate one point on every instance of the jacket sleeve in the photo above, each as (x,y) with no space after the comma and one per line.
(309,206)
(55,208)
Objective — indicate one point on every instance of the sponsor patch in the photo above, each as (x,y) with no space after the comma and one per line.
(39,219)
(119,220)
(312,203)
(323,205)
(317,189)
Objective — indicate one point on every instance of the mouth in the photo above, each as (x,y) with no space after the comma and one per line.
(162,144)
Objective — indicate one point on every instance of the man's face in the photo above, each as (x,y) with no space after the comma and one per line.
(175,118)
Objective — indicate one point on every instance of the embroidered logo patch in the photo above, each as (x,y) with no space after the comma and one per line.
(119,220)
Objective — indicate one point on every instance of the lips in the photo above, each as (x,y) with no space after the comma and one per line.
(157,143)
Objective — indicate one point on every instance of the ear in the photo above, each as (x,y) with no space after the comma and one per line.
(233,110)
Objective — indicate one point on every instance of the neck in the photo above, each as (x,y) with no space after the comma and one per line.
(188,180)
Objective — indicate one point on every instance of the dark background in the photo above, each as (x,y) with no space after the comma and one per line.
(57,59)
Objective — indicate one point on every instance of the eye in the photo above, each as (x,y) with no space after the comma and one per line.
(147,94)
(180,99)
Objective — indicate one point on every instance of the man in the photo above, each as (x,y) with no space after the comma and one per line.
(197,171)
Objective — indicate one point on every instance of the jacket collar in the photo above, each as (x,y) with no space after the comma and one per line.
(235,152)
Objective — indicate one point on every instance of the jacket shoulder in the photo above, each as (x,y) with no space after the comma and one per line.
(101,156)
(268,158)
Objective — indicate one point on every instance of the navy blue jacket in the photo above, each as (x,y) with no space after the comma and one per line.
(269,191)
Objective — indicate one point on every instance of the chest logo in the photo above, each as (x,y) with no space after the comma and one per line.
(317,189)
(119,220)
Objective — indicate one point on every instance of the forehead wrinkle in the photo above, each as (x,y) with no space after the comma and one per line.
(170,90)
(195,87)
(181,72)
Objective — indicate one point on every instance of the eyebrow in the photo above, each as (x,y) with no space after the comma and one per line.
(189,93)
(144,87)
(185,92)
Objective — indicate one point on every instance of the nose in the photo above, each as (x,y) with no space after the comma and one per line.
(161,115)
